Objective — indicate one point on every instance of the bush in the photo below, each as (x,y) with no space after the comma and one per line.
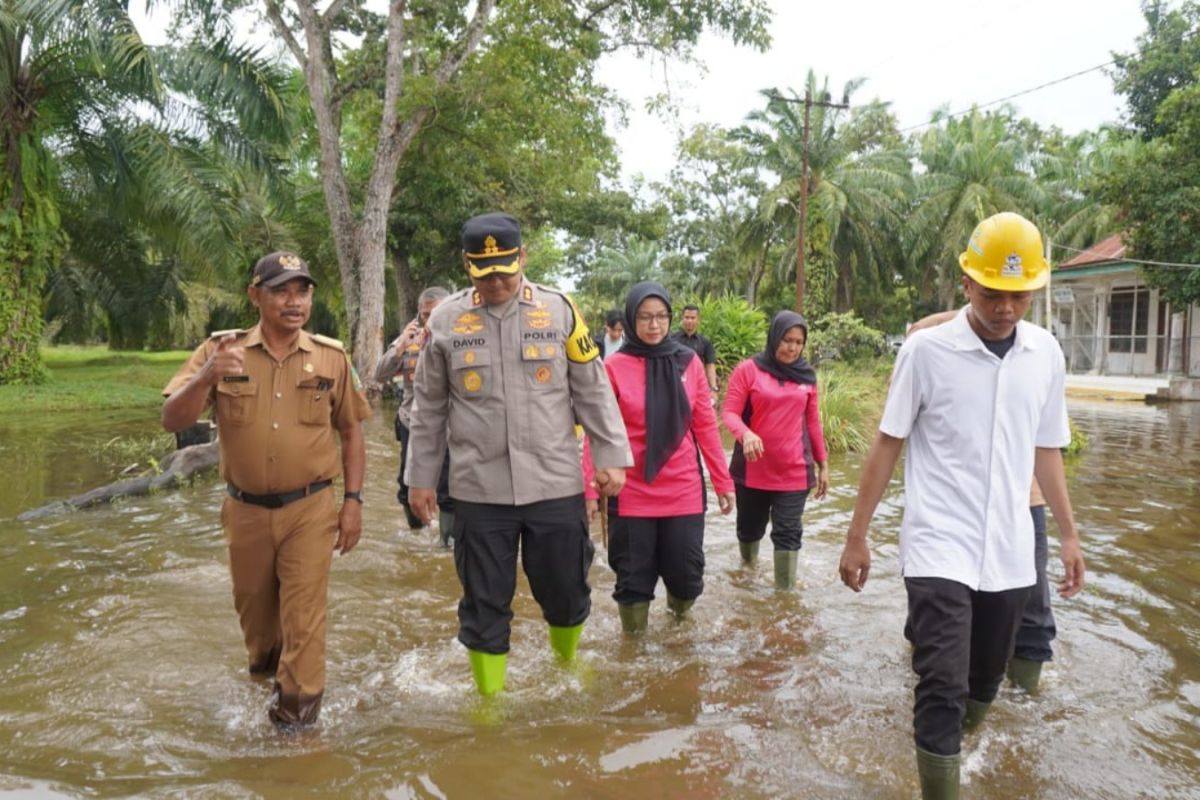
(1079,440)
(843,337)
(737,329)
(851,401)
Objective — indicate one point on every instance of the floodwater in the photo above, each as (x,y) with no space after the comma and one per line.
(122,673)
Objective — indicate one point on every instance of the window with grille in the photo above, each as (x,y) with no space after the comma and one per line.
(1128,320)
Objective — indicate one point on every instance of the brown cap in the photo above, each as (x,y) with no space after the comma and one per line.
(278,268)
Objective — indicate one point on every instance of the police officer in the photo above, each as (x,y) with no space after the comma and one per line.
(508,369)
(281,395)
(400,362)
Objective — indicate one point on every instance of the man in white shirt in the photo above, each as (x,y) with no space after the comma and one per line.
(981,401)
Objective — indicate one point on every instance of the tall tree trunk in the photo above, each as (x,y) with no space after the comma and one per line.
(361,244)
(406,289)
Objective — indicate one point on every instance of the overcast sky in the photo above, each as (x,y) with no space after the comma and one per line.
(917,55)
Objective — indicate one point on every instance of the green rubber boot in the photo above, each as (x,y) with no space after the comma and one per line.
(749,551)
(939,775)
(488,669)
(564,641)
(679,607)
(446,528)
(634,617)
(1025,674)
(785,569)
(976,711)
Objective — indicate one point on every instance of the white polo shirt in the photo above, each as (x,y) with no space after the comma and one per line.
(972,422)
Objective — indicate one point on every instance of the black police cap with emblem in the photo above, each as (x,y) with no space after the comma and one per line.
(279,268)
(492,243)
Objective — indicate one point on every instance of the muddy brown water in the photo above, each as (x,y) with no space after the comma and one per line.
(122,674)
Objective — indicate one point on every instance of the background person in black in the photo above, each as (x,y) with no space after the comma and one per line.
(690,335)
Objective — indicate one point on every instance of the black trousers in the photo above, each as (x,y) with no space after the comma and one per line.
(962,640)
(556,553)
(643,549)
(783,509)
(445,502)
(1037,629)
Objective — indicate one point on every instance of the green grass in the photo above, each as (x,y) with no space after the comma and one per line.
(94,379)
(852,397)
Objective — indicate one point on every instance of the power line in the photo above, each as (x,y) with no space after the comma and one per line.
(1170,264)
(1021,93)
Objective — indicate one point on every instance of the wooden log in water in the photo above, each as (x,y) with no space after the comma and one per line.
(179,466)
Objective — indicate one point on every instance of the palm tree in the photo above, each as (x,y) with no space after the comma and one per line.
(158,140)
(971,168)
(619,268)
(856,188)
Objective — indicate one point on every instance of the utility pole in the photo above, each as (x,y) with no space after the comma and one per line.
(809,102)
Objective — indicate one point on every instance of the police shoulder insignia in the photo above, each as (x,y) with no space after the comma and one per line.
(328,342)
(476,298)
(527,293)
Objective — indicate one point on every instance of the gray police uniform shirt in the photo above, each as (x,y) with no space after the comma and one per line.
(403,366)
(506,385)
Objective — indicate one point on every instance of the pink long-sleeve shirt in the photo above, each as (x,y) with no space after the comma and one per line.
(679,486)
(780,411)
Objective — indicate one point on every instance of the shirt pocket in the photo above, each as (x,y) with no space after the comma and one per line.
(236,402)
(544,365)
(315,400)
(471,372)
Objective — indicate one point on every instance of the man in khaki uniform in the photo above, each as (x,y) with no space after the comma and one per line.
(508,369)
(281,394)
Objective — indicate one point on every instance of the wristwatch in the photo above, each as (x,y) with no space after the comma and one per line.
(353,496)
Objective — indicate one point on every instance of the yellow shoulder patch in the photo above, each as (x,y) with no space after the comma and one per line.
(328,342)
(580,347)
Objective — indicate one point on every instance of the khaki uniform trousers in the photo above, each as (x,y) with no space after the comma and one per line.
(279,560)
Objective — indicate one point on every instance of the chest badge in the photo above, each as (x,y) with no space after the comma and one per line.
(538,319)
(469,357)
(531,351)
(542,375)
(468,323)
(549,350)
(472,381)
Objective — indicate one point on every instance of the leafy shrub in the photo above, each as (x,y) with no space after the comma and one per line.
(843,337)
(1079,440)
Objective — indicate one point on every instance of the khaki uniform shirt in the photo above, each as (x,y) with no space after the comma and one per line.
(506,384)
(277,429)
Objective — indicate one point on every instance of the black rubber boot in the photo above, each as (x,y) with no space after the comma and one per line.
(634,617)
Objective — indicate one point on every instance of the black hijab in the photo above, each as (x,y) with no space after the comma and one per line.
(668,411)
(799,371)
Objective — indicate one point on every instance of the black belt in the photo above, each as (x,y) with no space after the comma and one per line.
(275,500)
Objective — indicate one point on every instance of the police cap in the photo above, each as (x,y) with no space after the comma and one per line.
(492,244)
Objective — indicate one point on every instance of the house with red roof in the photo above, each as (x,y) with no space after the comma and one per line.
(1109,322)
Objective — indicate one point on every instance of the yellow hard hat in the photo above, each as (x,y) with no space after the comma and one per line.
(1005,253)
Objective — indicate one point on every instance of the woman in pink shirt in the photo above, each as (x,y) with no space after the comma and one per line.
(771,410)
(656,523)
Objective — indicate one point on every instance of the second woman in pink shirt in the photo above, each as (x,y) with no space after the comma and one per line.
(771,410)
(656,523)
